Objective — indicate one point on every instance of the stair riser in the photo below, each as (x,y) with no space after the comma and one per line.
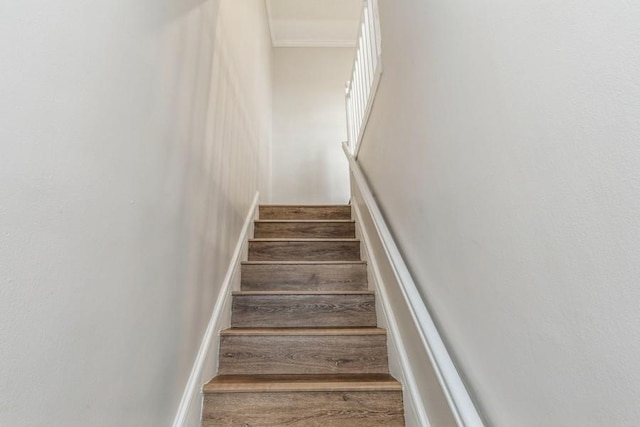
(302,230)
(303,409)
(304,277)
(304,251)
(290,311)
(305,212)
(342,354)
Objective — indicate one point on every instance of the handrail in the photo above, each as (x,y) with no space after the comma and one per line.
(365,75)
(456,393)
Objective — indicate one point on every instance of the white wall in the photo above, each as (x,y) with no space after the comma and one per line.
(408,358)
(503,150)
(309,125)
(130,140)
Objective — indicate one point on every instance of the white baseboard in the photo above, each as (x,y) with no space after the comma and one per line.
(192,390)
(415,412)
(459,403)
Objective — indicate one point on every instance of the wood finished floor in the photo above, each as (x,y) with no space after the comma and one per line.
(304,249)
(304,229)
(304,275)
(303,349)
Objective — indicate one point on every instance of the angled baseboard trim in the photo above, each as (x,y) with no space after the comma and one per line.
(459,400)
(408,376)
(194,384)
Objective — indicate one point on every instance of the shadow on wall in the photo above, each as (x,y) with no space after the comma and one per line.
(218,143)
(128,162)
(179,8)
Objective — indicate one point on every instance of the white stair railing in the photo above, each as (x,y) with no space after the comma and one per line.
(367,70)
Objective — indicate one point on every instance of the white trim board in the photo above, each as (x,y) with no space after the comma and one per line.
(321,41)
(193,387)
(314,43)
(457,396)
(418,414)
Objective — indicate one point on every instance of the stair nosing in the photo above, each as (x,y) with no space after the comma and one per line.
(350,240)
(274,332)
(305,221)
(302,262)
(301,293)
(304,383)
(304,206)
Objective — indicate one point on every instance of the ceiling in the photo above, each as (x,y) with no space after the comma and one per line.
(314,23)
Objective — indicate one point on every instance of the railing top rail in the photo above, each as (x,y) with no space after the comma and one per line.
(365,74)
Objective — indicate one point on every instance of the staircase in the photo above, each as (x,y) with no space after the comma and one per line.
(303,348)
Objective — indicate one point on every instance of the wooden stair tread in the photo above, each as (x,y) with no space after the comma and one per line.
(302,331)
(306,221)
(264,351)
(323,239)
(304,229)
(304,275)
(302,262)
(303,347)
(301,383)
(304,212)
(303,309)
(304,249)
(303,206)
(304,293)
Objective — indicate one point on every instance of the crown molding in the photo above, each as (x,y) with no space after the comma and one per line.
(313,43)
(297,42)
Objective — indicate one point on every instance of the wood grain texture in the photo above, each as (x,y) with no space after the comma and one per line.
(302,331)
(304,212)
(326,409)
(304,276)
(262,293)
(303,354)
(290,383)
(303,349)
(304,250)
(305,229)
(309,310)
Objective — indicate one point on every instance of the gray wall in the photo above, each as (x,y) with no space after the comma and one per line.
(131,134)
(503,150)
